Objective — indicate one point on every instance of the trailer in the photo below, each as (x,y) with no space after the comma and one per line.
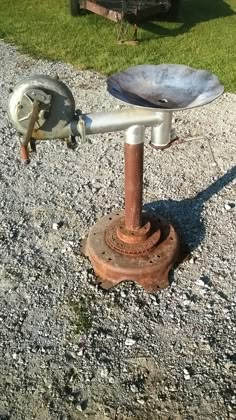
(131,11)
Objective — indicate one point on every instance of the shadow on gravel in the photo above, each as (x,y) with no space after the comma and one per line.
(186,214)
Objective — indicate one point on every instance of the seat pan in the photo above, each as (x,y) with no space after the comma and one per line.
(164,87)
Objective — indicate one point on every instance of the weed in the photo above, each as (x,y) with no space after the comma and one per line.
(82,317)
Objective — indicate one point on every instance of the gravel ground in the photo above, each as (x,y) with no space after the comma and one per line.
(70,350)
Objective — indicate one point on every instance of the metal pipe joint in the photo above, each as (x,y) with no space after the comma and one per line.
(161,133)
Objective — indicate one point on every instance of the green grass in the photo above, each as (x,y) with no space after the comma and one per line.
(83,320)
(206,38)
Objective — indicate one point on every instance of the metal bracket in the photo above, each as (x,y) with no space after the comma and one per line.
(25,106)
(39,96)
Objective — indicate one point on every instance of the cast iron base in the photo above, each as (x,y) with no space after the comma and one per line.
(148,265)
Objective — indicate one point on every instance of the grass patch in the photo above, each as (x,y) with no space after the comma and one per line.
(83,320)
(205,37)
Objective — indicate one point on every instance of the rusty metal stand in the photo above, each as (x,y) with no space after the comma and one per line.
(133,245)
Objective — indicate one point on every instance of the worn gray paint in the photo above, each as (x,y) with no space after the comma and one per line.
(165,86)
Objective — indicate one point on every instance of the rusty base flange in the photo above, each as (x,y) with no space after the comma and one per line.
(149,269)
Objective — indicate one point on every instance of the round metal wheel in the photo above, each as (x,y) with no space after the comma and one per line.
(57,106)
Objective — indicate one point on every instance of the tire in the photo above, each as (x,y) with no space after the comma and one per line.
(74,7)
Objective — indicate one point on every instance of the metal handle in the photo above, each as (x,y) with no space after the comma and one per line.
(31,127)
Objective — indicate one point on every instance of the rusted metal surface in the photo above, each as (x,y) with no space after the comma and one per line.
(149,270)
(133,185)
(131,237)
(172,142)
(24,154)
(134,243)
(97,8)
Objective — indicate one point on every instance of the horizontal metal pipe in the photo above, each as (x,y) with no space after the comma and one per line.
(103,122)
(119,120)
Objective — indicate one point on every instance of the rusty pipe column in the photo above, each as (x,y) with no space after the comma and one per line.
(134,145)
